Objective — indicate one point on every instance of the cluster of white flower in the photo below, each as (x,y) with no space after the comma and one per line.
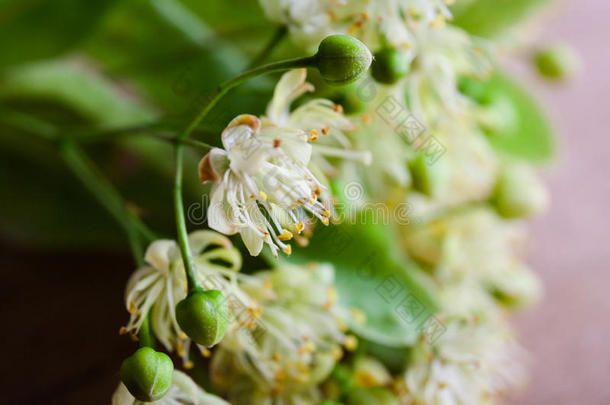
(472,248)
(271,173)
(284,334)
(271,183)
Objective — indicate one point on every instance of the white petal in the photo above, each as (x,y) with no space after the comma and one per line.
(200,240)
(217,217)
(160,253)
(291,85)
(252,240)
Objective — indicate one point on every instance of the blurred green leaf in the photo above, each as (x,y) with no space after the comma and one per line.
(373,276)
(75,85)
(36,29)
(488,18)
(530,136)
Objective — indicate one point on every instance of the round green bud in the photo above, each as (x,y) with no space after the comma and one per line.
(429,178)
(519,193)
(203,316)
(147,374)
(372,395)
(389,65)
(556,62)
(342,59)
(350,100)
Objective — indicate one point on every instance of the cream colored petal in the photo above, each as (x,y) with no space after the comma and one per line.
(291,85)
(217,216)
(200,240)
(160,253)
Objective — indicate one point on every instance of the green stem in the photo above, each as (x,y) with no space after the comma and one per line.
(145,334)
(86,171)
(223,88)
(220,91)
(277,37)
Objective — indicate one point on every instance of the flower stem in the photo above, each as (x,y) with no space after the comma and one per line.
(86,171)
(220,91)
(277,37)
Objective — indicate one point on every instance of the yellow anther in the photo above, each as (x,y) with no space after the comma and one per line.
(205,352)
(313,135)
(299,226)
(275,356)
(317,190)
(286,235)
(325,130)
(341,325)
(308,347)
(262,195)
(131,308)
(325,221)
(188,365)
(358,315)
(438,22)
(277,142)
(331,297)
(337,352)
(182,335)
(338,108)
(350,343)
(287,249)
(123,330)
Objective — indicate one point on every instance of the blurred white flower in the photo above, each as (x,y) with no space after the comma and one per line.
(473,362)
(156,288)
(291,348)
(183,391)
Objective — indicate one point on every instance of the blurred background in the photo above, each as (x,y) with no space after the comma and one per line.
(61,256)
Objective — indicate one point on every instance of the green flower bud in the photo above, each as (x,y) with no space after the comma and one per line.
(342,59)
(373,395)
(556,62)
(519,193)
(389,66)
(350,100)
(429,178)
(147,374)
(203,316)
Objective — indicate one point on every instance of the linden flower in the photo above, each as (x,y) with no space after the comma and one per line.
(311,20)
(472,365)
(183,391)
(262,184)
(291,346)
(321,119)
(157,287)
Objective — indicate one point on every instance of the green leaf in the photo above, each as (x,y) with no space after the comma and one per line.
(529,136)
(36,29)
(488,18)
(373,276)
(77,86)
(66,94)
